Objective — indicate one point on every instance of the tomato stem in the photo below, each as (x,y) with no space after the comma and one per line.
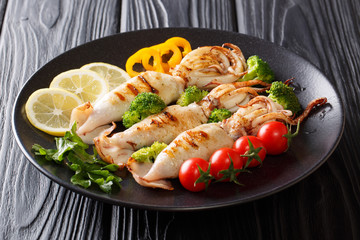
(252,153)
(290,135)
(230,173)
(205,177)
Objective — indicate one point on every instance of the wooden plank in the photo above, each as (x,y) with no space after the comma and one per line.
(33,32)
(2,11)
(215,14)
(324,33)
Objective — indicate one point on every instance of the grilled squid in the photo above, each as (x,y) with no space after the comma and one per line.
(250,117)
(113,105)
(203,140)
(162,127)
(200,141)
(210,66)
(167,125)
(205,67)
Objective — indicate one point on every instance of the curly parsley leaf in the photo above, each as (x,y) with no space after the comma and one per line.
(88,168)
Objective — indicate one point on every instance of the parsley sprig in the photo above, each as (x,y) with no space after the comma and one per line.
(88,168)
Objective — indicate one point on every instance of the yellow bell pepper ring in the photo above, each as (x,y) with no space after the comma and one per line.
(142,58)
(159,58)
(171,50)
(151,55)
(181,43)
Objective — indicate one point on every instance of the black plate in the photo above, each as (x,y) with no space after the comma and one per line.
(319,135)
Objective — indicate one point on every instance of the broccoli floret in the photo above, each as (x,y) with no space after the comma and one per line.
(148,154)
(285,96)
(144,105)
(190,95)
(217,115)
(130,118)
(147,103)
(258,69)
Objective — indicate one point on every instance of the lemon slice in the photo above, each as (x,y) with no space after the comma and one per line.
(88,85)
(50,109)
(113,74)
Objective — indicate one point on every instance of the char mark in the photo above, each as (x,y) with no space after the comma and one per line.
(159,123)
(120,96)
(164,118)
(204,134)
(133,89)
(152,89)
(132,144)
(191,142)
(196,137)
(169,116)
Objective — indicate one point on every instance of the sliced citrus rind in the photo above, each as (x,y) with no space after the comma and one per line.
(49,110)
(111,73)
(87,85)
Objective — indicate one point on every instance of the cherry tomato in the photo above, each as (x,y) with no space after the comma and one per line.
(220,164)
(272,136)
(189,173)
(257,151)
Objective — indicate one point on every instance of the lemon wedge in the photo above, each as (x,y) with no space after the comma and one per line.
(87,85)
(111,73)
(49,109)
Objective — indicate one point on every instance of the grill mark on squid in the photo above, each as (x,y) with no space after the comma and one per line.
(153,90)
(204,134)
(154,121)
(169,116)
(120,96)
(133,89)
(178,143)
(132,144)
(191,141)
(167,119)
(169,152)
(197,136)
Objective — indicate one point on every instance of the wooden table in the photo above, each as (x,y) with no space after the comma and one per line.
(325,205)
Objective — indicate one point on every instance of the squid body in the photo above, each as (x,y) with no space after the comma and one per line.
(203,140)
(173,120)
(113,105)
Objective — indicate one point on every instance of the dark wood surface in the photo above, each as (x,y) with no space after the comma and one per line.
(325,205)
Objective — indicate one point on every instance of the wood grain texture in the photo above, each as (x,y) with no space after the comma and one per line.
(215,14)
(327,39)
(323,206)
(2,11)
(34,32)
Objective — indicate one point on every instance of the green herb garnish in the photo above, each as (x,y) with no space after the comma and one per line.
(88,168)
